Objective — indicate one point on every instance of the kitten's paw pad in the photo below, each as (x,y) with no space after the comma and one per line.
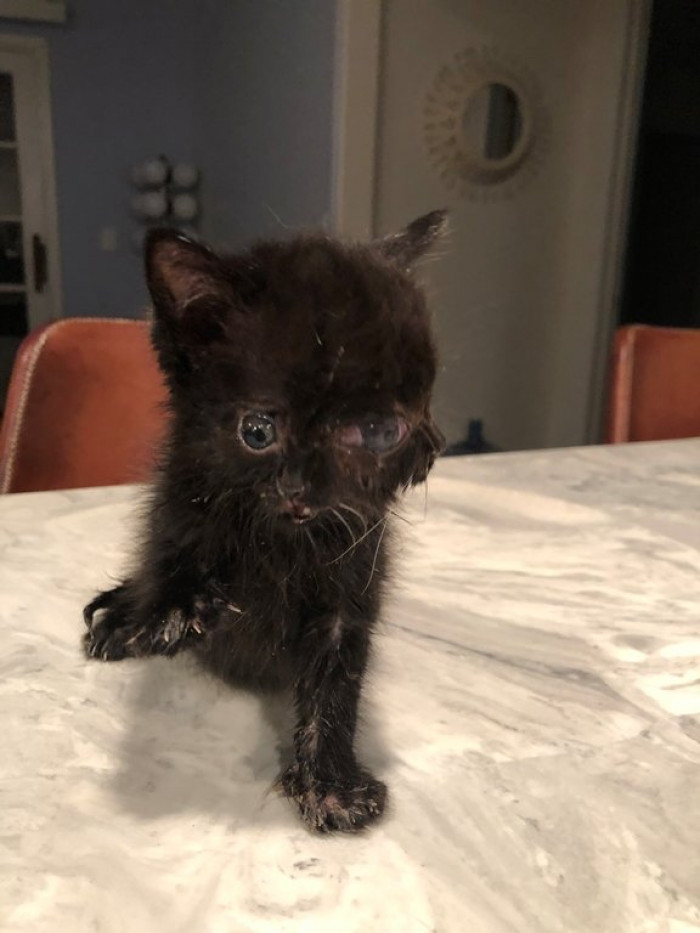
(335,806)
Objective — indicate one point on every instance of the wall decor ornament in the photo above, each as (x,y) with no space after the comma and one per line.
(166,196)
(485,125)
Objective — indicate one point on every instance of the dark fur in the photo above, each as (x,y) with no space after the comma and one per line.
(321,333)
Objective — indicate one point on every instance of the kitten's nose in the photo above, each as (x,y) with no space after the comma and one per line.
(295,507)
(291,485)
(292,490)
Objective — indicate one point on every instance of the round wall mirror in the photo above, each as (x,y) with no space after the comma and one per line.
(492,121)
(482,121)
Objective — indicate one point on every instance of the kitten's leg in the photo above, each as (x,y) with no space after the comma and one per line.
(124,630)
(330,788)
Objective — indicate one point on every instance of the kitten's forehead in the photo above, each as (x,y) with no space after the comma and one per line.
(339,321)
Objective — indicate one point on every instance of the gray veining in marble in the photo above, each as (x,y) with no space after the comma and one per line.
(534,705)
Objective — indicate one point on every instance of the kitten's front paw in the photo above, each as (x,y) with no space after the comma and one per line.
(108,629)
(111,639)
(331,806)
(105,642)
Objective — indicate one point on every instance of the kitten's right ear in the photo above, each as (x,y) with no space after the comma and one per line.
(179,270)
(189,288)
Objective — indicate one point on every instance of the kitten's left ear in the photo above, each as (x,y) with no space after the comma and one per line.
(406,247)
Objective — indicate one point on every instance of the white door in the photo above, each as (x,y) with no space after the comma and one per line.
(513,115)
(29,267)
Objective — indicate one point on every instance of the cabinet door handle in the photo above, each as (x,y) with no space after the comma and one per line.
(41,266)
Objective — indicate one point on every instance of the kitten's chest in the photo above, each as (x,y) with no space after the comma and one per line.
(282,581)
(268,610)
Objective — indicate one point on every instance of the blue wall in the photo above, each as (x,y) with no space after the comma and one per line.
(265,117)
(241,87)
(122,89)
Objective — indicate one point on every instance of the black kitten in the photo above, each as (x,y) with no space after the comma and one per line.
(300,376)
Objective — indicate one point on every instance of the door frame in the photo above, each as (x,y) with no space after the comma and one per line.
(355,115)
(614,242)
(356,130)
(47,11)
(34,52)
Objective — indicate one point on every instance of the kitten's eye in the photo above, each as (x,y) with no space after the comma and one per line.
(378,434)
(258,430)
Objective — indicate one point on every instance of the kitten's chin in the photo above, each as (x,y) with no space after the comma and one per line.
(293,526)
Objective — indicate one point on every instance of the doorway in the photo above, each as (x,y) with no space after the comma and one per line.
(29,268)
(662,270)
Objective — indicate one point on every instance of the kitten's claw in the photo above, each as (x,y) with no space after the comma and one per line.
(104,601)
(175,632)
(334,806)
(103,642)
(111,638)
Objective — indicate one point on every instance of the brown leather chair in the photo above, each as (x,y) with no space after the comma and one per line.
(84,407)
(655,384)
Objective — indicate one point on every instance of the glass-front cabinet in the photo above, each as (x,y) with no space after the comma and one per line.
(14,323)
(29,269)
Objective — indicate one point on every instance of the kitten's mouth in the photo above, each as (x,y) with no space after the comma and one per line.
(297,512)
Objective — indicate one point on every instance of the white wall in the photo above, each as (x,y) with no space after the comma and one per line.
(517,290)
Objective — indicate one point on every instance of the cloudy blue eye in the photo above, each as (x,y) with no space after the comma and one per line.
(258,430)
(379,434)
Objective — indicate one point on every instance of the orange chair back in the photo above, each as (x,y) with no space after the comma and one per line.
(84,407)
(655,384)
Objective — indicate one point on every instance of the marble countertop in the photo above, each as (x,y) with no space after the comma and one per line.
(534,706)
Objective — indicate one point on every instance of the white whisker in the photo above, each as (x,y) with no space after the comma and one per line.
(310,537)
(354,545)
(341,519)
(347,508)
(400,516)
(374,562)
(279,220)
